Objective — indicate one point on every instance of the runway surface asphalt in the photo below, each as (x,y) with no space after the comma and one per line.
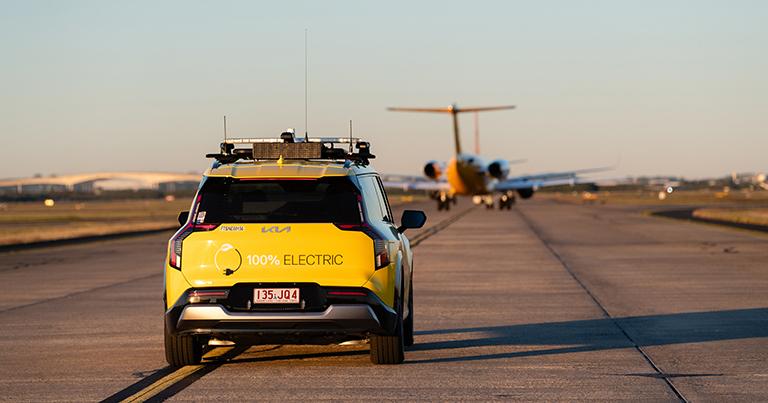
(544,302)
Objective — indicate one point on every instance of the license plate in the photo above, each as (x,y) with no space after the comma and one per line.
(276,296)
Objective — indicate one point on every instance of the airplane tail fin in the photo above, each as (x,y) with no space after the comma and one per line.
(454,110)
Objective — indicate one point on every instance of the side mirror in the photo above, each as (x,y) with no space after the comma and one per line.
(411,219)
(183,217)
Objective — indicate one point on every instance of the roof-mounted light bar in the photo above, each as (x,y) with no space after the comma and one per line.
(290,147)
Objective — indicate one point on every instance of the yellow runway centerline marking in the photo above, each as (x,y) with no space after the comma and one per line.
(162,384)
(169,380)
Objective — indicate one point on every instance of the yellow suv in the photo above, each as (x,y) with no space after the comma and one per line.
(290,241)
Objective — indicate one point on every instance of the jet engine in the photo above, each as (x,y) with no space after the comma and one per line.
(525,193)
(499,169)
(433,170)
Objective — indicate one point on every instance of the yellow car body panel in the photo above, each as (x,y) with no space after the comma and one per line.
(382,284)
(175,284)
(279,253)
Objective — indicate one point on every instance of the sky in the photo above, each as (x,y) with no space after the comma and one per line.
(664,87)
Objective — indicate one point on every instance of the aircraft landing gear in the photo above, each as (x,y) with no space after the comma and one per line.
(444,201)
(488,201)
(506,201)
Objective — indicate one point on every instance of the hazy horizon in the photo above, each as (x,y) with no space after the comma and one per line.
(672,88)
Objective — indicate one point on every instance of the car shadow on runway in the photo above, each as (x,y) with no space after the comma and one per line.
(574,336)
(599,334)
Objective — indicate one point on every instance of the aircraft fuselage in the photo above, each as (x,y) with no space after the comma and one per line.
(467,175)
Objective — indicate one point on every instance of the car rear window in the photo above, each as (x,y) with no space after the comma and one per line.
(324,200)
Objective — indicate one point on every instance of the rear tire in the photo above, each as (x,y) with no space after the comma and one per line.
(182,350)
(389,349)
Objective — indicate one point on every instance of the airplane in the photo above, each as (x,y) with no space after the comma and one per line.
(469,174)
(754,180)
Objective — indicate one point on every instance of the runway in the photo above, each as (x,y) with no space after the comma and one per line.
(545,302)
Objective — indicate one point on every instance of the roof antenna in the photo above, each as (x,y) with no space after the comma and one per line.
(306,96)
(350,136)
(225,128)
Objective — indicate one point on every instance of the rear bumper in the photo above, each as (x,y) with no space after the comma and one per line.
(338,320)
(208,319)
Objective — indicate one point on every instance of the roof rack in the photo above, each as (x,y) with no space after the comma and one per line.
(289,147)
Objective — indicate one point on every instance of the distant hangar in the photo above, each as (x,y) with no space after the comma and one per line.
(89,182)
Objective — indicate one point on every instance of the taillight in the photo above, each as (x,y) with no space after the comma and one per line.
(380,252)
(175,259)
(198,296)
(178,239)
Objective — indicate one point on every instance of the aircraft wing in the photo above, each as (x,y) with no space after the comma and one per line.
(406,183)
(545,179)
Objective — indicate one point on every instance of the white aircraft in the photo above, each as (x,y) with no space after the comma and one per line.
(468,174)
(756,180)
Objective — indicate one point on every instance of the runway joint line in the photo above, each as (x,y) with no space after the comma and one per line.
(660,374)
